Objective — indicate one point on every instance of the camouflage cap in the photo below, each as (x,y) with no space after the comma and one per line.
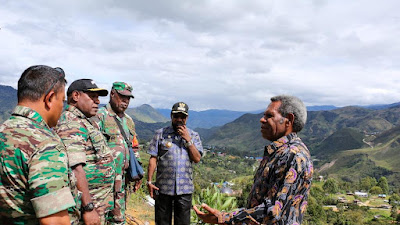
(123,88)
(180,107)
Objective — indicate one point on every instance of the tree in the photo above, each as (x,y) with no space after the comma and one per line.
(383,184)
(315,214)
(393,212)
(330,186)
(376,190)
(367,183)
(393,199)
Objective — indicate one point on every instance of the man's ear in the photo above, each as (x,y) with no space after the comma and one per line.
(290,118)
(75,95)
(49,99)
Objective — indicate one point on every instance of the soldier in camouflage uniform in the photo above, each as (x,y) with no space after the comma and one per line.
(34,172)
(89,156)
(107,118)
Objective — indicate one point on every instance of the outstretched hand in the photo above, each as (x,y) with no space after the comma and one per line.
(211,216)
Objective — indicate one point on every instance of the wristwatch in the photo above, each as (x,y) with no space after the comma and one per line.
(189,143)
(89,207)
(148,182)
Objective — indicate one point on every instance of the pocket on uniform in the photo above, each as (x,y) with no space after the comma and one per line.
(166,145)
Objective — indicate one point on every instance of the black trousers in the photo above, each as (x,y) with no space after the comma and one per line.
(180,204)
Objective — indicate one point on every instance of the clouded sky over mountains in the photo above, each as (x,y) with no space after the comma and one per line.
(230,54)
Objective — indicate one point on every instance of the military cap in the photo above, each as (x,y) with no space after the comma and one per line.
(123,88)
(180,107)
(86,85)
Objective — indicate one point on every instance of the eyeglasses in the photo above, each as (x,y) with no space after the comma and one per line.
(61,76)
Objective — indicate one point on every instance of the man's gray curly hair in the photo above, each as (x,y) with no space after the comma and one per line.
(292,104)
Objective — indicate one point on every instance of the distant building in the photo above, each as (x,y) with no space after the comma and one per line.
(361,194)
(226,190)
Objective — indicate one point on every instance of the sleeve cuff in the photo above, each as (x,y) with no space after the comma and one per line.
(53,202)
(76,158)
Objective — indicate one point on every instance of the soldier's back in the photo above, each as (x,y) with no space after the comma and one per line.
(33,170)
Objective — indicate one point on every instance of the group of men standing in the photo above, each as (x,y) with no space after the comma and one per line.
(69,167)
(65,167)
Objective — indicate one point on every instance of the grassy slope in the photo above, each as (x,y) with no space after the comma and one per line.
(382,160)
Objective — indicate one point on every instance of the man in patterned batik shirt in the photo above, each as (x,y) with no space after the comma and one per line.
(173,150)
(88,154)
(107,118)
(283,180)
(34,172)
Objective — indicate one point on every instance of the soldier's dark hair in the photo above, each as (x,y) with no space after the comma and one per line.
(292,104)
(39,80)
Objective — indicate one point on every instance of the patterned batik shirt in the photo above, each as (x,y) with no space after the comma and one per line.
(86,145)
(281,186)
(174,167)
(105,119)
(34,173)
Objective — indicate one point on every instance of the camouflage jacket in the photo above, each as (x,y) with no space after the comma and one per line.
(34,169)
(86,145)
(116,141)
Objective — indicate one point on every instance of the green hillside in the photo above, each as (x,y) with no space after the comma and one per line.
(382,159)
(147,114)
(242,136)
(324,130)
(145,131)
(8,100)
(343,139)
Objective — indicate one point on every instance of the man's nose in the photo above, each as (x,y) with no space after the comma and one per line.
(263,120)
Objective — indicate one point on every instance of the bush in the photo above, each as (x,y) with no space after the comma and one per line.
(215,199)
(376,190)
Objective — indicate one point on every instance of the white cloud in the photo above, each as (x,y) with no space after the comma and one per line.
(212,54)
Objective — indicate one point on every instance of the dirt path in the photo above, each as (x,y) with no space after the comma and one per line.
(326,166)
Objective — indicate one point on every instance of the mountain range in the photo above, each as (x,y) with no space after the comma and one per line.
(348,142)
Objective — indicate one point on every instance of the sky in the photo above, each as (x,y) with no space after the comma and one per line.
(212,54)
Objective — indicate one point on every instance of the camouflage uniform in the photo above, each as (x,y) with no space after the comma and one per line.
(34,172)
(105,119)
(86,145)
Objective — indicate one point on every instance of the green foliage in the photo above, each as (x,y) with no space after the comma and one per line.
(244,184)
(367,183)
(343,139)
(315,213)
(393,212)
(215,199)
(394,198)
(376,190)
(330,186)
(383,183)
(213,168)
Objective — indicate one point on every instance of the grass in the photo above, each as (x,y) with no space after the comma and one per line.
(138,208)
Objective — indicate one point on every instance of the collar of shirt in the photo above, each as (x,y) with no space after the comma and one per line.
(30,114)
(111,111)
(169,130)
(75,111)
(274,146)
